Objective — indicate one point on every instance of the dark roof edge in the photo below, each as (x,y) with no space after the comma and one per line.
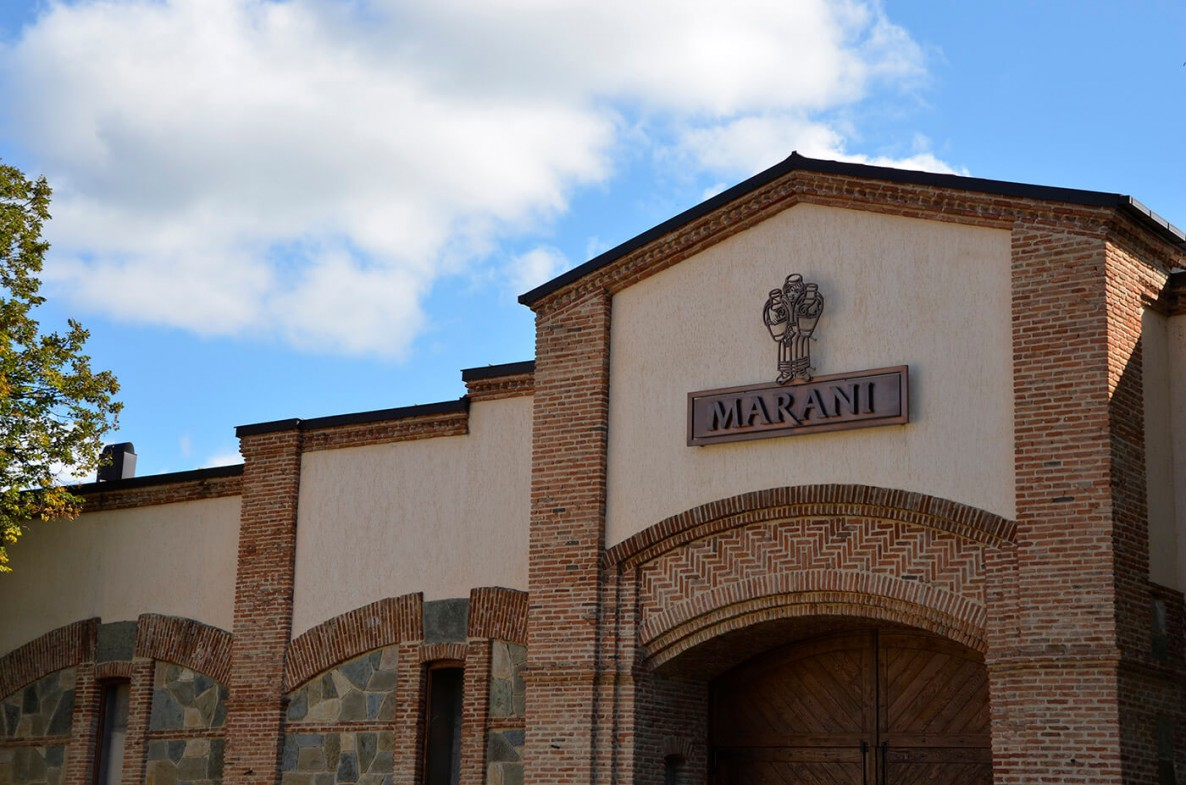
(796,162)
(170,478)
(358,418)
(496,371)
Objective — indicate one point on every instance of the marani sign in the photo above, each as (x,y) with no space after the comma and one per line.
(827,403)
(797,403)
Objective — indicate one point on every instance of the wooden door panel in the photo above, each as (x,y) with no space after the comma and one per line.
(800,715)
(819,693)
(933,693)
(792,766)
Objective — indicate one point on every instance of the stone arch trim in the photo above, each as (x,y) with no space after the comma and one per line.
(57,649)
(192,644)
(382,623)
(812,501)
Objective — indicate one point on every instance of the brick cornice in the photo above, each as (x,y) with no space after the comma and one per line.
(907,200)
(382,623)
(811,501)
(492,389)
(56,649)
(186,642)
(97,499)
(387,431)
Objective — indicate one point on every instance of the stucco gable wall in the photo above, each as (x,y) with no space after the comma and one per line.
(170,559)
(439,516)
(931,295)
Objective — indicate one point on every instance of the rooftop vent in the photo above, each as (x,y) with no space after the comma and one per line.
(118,462)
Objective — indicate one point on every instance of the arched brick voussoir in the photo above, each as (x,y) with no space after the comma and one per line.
(186,642)
(812,501)
(56,649)
(382,623)
(682,639)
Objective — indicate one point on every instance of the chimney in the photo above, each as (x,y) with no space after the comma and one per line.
(118,462)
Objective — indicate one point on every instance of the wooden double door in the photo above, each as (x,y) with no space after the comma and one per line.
(868,708)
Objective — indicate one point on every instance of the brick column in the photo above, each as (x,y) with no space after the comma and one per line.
(263,603)
(143,672)
(409,711)
(1053,657)
(567,537)
(80,755)
(475,710)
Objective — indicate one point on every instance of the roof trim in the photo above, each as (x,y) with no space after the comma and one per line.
(796,162)
(497,371)
(459,406)
(148,480)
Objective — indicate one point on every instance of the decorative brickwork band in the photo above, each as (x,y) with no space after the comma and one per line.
(812,501)
(186,642)
(498,613)
(841,550)
(444,652)
(382,623)
(56,649)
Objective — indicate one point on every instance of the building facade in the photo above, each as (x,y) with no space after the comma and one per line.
(849,474)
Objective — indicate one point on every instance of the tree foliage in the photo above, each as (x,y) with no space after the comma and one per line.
(54,409)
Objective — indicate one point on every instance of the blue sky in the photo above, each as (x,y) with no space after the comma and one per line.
(269,210)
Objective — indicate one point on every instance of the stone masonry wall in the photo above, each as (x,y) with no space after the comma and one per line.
(508,708)
(185,728)
(340,723)
(35,725)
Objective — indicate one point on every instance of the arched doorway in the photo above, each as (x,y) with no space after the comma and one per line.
(872,707)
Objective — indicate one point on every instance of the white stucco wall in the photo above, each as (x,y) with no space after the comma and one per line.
(172,559)
(934,296)
(439,516)
(1159,450)
(1176,353)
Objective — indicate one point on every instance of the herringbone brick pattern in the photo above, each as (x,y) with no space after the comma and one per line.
(914,564)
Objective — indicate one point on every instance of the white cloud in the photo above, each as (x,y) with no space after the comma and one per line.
(303,171)
(226,458)
(536,267)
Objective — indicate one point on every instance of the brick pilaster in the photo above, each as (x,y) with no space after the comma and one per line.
(475,711)
(567,537)
(80,755)
(1053,659)
(139,715)
(408,725)
(263,606)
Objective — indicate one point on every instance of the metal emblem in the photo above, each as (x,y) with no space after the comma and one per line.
(791,315)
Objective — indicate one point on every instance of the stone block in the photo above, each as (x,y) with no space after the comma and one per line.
(311,759)
(167,713)
(353,707)
(298,706)
(161,772)
(348,767)
(358,671)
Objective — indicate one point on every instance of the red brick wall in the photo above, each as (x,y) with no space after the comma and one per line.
(567,535)
(263,606)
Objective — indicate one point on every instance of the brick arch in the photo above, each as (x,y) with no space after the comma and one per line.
(382,623)
(841,550)
(812,500)
(57,649)
(186,642)
(833,605)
